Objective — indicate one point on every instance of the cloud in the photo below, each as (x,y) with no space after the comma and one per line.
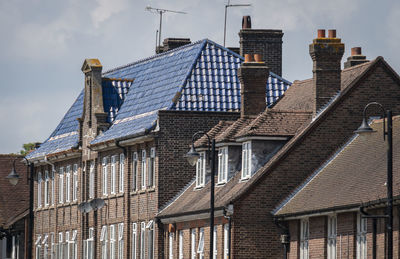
(106,9)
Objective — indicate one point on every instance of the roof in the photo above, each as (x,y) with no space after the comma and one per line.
(236,189)
(197,77)
(356,174)
(11,206)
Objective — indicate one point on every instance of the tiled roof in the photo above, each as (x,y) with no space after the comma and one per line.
(198,77)
(356,174)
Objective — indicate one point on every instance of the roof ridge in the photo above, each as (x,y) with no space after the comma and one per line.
(153,56)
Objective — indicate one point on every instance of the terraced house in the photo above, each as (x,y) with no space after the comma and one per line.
(117,155)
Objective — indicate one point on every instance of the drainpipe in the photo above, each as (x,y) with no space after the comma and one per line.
(285,236)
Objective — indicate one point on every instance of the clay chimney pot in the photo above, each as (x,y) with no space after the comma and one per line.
(331,33)
(321,33)
(356,51)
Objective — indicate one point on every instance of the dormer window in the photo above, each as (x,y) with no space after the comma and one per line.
(246,160)
(201,170)
(222,165)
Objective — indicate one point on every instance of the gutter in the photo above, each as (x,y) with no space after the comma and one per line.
(189,216)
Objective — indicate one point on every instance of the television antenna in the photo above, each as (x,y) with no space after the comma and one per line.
(160,12)
(226,13)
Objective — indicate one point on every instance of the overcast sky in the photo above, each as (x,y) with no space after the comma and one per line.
(44,43)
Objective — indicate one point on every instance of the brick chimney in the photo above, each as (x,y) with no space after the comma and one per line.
(356,58)
(268,43)
(253,75)
(93,119)
(326,54)
(172,43)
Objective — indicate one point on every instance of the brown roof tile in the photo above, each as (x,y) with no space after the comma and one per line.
(217,129)
(355,175)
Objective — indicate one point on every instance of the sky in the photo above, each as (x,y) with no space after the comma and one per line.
(44,44)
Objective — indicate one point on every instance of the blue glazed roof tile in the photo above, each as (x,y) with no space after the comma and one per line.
(204,73)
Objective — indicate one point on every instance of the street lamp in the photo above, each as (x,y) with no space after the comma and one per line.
(365,129)
(193,156)
(13,178)
(226,13)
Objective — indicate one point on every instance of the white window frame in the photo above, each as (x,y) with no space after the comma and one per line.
(304,238)
(45,246)
(134,170)
(75,182)
(53,180)
(120,241)
(361,237)
(67,245)
(151,168)
(134,240)
(103,240)
(113,174)
(61,185)
(226,241)
(60,245)
(200,247)
(73,245)
(171,245)
(222,165)
(331,238)
(193,243)
(180,244)
(38,246)
(105,176)
(246,160)
(112,241)
(52,246)
(91,179)
(150,239)
(46,188)
(143,170)
(121,172)
(89,251)
(201,170)
(215,243)
(68,183)
(142,240)
(39,190)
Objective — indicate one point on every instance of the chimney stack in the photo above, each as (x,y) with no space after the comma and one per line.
(253,75)
(172,43)
(326,54)
(267,43)
(356,58)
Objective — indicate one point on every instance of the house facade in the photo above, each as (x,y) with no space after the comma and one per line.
(263,159)
(117,155)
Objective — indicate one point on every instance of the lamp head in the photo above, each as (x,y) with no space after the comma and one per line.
(13,177)
(192,156)
(364,128)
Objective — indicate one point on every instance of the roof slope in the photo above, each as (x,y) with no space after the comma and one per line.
(354,175)
(197,77)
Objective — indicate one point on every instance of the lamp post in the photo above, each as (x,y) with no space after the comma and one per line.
(192,157)
(13,178)
(365,129)
(226,13)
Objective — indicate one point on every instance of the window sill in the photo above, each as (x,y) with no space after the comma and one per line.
(198,187)
(244,180)
(116,195)
(220,184)
(147,190)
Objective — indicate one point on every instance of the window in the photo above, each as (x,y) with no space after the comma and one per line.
(73,246)
(215,252)
(39,190)
(61,186)
(226,241)
(60,245)
(38,246)
(332,222)
(150,239)
(201,170)
(46,188)
(121,241)
(134,171)
(246,160)
(181,244)
(222,165)
(45,247)
(52,187)
(142,240)
(121,172)
(105,177)
(67,246)
(75,183)
(143,169)
(112,242)
(103,240)
(113,173)
(68,184)
(193,243)
(361,237)
(91,179)
(151,168)
(52,246)
(89,245)
(171,245)
(304,233)
(200,248)
(134,240)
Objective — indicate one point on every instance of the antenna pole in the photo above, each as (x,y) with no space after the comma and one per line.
(226,8)
(156,38)
(226,14)
(159,33)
